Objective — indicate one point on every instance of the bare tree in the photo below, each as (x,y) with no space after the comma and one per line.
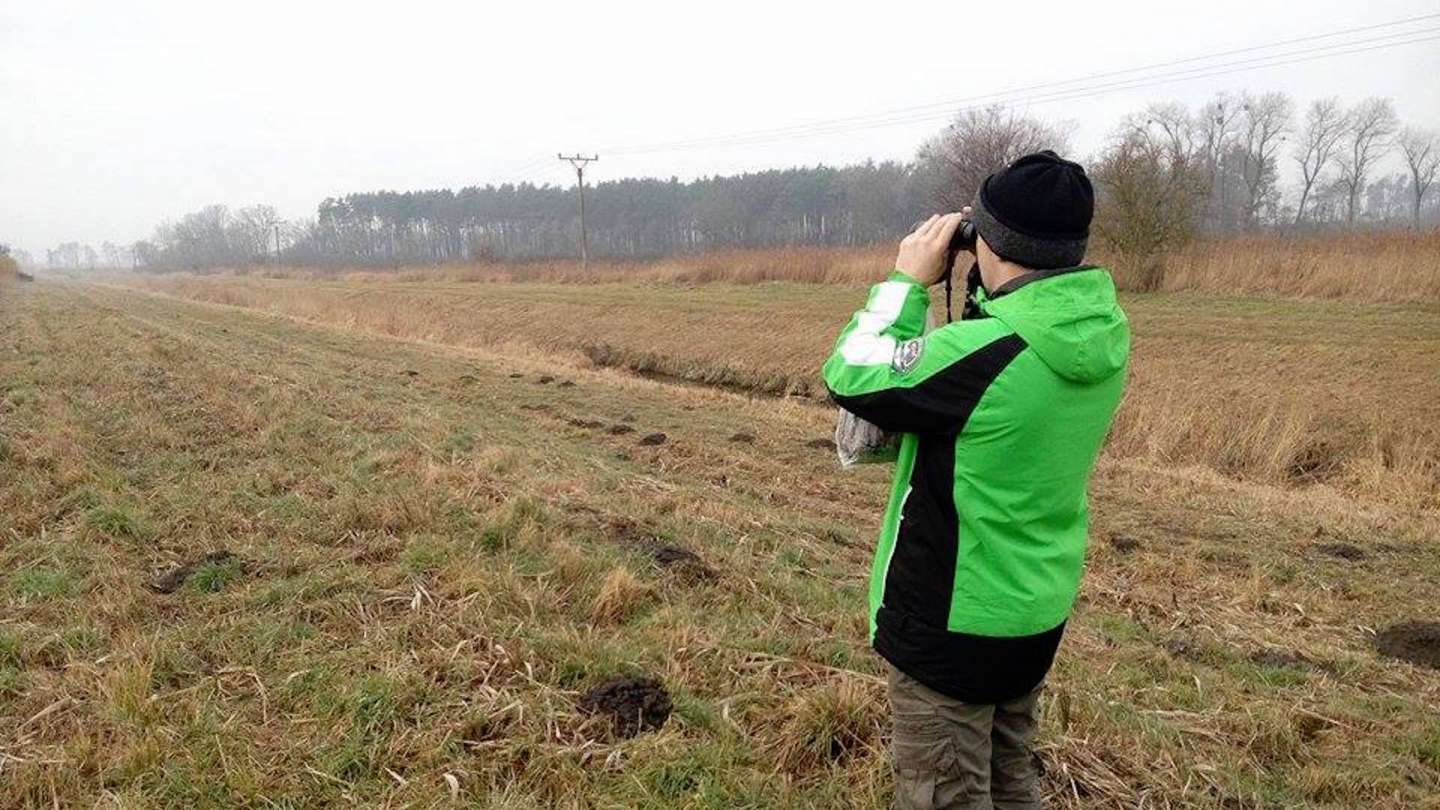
(1264,122)
(976,143)
(1217,128)
(1175,125)
(111,254)
(252,230)
(1372,125)
(1152,183)
(1422,157)
(1325,125)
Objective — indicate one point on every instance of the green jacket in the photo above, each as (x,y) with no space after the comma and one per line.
(983,542)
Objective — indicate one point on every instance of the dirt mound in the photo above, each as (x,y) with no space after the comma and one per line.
(1416,642)
(652,440)
(682,560)
(1124,543)
(619,430)
(1344,551)
(644,539)
(821,444)
(743,438)
(633,704)
(627,531)
(545,380)
(172,580)
(1181,647)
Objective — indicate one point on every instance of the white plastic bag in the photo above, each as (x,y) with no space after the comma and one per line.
(859,442)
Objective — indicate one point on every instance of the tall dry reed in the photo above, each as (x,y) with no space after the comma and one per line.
(1388,266)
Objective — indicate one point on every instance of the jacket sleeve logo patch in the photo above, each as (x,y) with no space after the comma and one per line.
(907,355)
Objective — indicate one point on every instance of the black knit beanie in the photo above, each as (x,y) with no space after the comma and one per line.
(1036,211)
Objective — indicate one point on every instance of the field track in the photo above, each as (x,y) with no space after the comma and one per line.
(395,565)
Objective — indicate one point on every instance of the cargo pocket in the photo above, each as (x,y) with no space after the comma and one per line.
(925,757)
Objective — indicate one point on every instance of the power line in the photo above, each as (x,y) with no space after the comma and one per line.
(839,126)
(521,171)
(917,112)
(825,124)
(1055,91)
(1045,98)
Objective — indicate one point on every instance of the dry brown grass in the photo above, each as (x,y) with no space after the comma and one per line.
(1395,266)
(621,595)
(420,541)
(1388,266)
(1289,391)
(9,270)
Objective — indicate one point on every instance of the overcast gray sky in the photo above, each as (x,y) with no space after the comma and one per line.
(115,116)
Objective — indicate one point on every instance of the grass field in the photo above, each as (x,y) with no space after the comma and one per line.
(1275,390)
(1389,266)
(251,561)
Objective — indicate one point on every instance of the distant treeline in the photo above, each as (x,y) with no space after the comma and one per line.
(1240,163)
(636,218)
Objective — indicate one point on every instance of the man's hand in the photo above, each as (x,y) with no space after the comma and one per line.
(923,252)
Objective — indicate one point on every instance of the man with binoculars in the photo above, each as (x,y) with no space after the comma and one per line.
(1003,415)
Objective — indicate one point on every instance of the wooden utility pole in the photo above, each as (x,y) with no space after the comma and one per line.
(578,161)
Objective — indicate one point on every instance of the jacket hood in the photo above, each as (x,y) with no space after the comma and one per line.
(1070,317)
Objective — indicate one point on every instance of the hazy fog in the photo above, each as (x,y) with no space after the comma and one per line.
(116,116)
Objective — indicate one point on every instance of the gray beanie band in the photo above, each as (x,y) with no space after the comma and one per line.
(1026,251)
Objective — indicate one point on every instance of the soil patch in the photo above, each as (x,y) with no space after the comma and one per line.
(1124,543)
(172,580)
(620,430)
(546,380)
(743,438)
(1344,551)
(1181,648)
(626,530)
(1280,658)
(681,560)
(632,704)
(1416,642)
(652,440)
(821,444)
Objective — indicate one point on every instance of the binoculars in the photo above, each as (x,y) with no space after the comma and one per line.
(964,238)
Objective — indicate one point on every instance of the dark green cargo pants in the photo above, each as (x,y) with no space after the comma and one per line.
(952,756)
